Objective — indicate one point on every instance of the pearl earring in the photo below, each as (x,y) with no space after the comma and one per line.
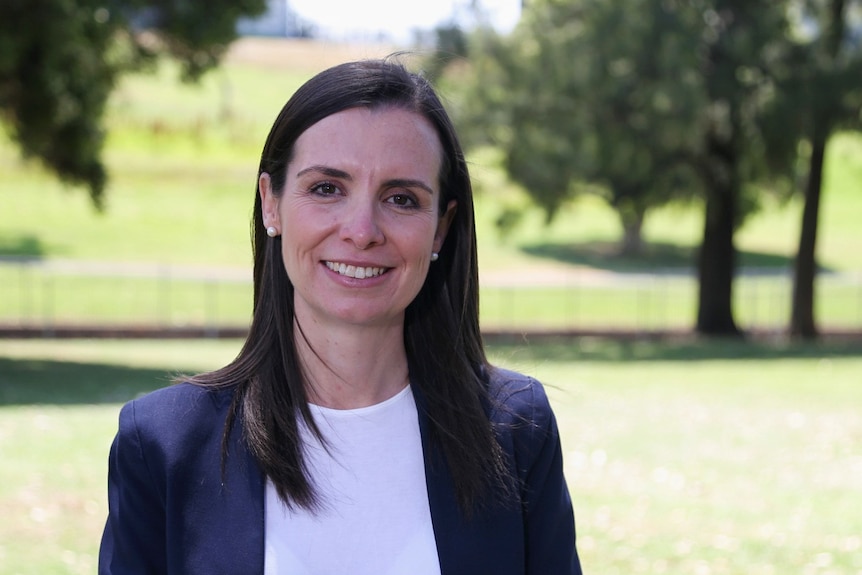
(271,231)
(434,256)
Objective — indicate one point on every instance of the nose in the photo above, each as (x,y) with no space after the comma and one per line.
(360,224)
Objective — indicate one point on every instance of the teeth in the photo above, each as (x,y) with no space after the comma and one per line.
(354,271)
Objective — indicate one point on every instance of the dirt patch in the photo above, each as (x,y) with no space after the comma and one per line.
(301,55)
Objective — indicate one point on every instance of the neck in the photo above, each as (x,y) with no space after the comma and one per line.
(348,367)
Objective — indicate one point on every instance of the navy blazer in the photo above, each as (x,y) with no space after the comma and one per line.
(170,511)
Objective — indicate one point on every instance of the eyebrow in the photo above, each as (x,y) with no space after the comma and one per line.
(408,183)
(326,171)
(341,174)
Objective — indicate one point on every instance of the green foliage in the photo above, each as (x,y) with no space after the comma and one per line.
(54,81)
(450,45)
(60,60)
(628,99)
(637,105)
(826,82)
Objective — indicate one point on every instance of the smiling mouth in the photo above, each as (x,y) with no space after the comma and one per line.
(357,272)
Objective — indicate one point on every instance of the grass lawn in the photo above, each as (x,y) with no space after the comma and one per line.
(724,460)
(690,458)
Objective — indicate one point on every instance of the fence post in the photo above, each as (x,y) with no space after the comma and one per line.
(164,295)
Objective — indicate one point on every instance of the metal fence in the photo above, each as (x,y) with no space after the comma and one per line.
(46,297)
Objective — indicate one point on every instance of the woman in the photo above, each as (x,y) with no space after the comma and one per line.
(360,429)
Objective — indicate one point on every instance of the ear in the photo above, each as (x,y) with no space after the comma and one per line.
(443,224)
(268,201)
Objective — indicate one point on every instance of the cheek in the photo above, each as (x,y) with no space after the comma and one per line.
(295,237)
(302,224)
(418,239)
(419,255)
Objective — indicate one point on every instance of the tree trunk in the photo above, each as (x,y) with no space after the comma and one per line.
(802,324)
(802,311)
(632,243)
(717,263)
(717,257)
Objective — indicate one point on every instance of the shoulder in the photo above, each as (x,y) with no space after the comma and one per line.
(180,401)
(175,415)
(522,417)
(527,431)
(517,398)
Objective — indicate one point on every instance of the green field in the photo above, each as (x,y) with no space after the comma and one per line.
(688,458)
(183,161)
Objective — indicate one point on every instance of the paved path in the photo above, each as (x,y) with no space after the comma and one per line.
(535,275)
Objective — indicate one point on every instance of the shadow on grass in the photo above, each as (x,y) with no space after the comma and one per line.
(25,247)
(605,255)
(38,381)
(41,381)
(618,350)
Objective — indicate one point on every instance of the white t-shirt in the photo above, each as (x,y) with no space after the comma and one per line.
(375,519)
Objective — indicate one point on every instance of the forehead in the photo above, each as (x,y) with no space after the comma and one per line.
(388,137)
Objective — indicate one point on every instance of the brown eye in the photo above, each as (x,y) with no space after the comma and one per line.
(324,189)
(403,200)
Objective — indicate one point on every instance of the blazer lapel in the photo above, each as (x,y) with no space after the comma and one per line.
(231,513)
(445,516)
(490,542)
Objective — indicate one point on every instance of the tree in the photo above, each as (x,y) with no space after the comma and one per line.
(744,47)
(643,104)
(584,95)
(60,59)
(661,99)
(828,89)
(450,44)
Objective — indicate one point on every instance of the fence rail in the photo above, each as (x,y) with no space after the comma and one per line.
(42,297)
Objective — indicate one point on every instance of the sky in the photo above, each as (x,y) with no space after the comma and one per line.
(344,18)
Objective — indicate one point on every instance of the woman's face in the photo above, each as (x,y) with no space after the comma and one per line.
(359,215)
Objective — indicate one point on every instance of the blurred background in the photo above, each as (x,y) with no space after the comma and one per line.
(668,196)
(670,167)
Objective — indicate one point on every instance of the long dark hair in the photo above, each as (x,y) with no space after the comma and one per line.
(446,359)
